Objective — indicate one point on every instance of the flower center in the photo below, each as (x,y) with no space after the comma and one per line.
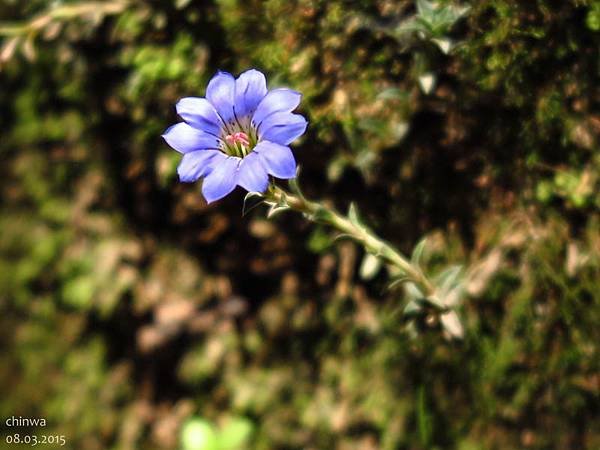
(236,142)
(240,138)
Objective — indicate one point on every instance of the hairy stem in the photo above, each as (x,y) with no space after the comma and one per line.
(372,243)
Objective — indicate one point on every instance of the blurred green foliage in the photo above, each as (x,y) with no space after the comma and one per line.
(132,315)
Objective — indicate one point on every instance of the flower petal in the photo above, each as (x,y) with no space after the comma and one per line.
(221,180)
(199,113)
(252,175)
(278,100)
(277,159)
(184,138)
(220,92)
(282,127)
(250,89)
(197,164)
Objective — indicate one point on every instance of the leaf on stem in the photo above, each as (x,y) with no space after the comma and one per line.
(412,309)
(342,236)
(412,291)
(276,209)
(295,186)
(417,253)
(355,219)
(447,280)
(353,215)
(397,282)
(251,201)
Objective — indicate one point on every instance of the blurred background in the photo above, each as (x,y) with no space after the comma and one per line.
(134,316)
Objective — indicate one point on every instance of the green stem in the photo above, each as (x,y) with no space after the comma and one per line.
(373,244)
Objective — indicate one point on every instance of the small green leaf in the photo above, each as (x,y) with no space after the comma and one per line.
(282,200)
(342,236)
(397,282)
(412,291)
(295,186)
(276,209)
(251,201)
(353,214)
(435,301)
(355,218)
(413,309)
(447,279)
(453,296)
(417,253)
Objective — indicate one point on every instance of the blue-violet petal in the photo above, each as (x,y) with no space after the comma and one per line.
(250,89)
(277,159)
(220,92)
(221,180)
(252,175)
(197,164)
(282,128)
(199,113)
(278,100)
(184,138)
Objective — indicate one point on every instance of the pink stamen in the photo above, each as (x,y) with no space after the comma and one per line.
(238,138)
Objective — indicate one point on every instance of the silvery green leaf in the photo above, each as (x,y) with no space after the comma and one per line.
(276,209)
(369,267)
(412,291)
(251,201)
(353,216)
(435,301)
(295,186)
(342,236)
(412,309)
(427,82)
(417,253)
(397,282)
(282,200)
(412,330)
(453,297)
(451,324)
(447,279)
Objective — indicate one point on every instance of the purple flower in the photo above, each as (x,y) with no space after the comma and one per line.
(238,135)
